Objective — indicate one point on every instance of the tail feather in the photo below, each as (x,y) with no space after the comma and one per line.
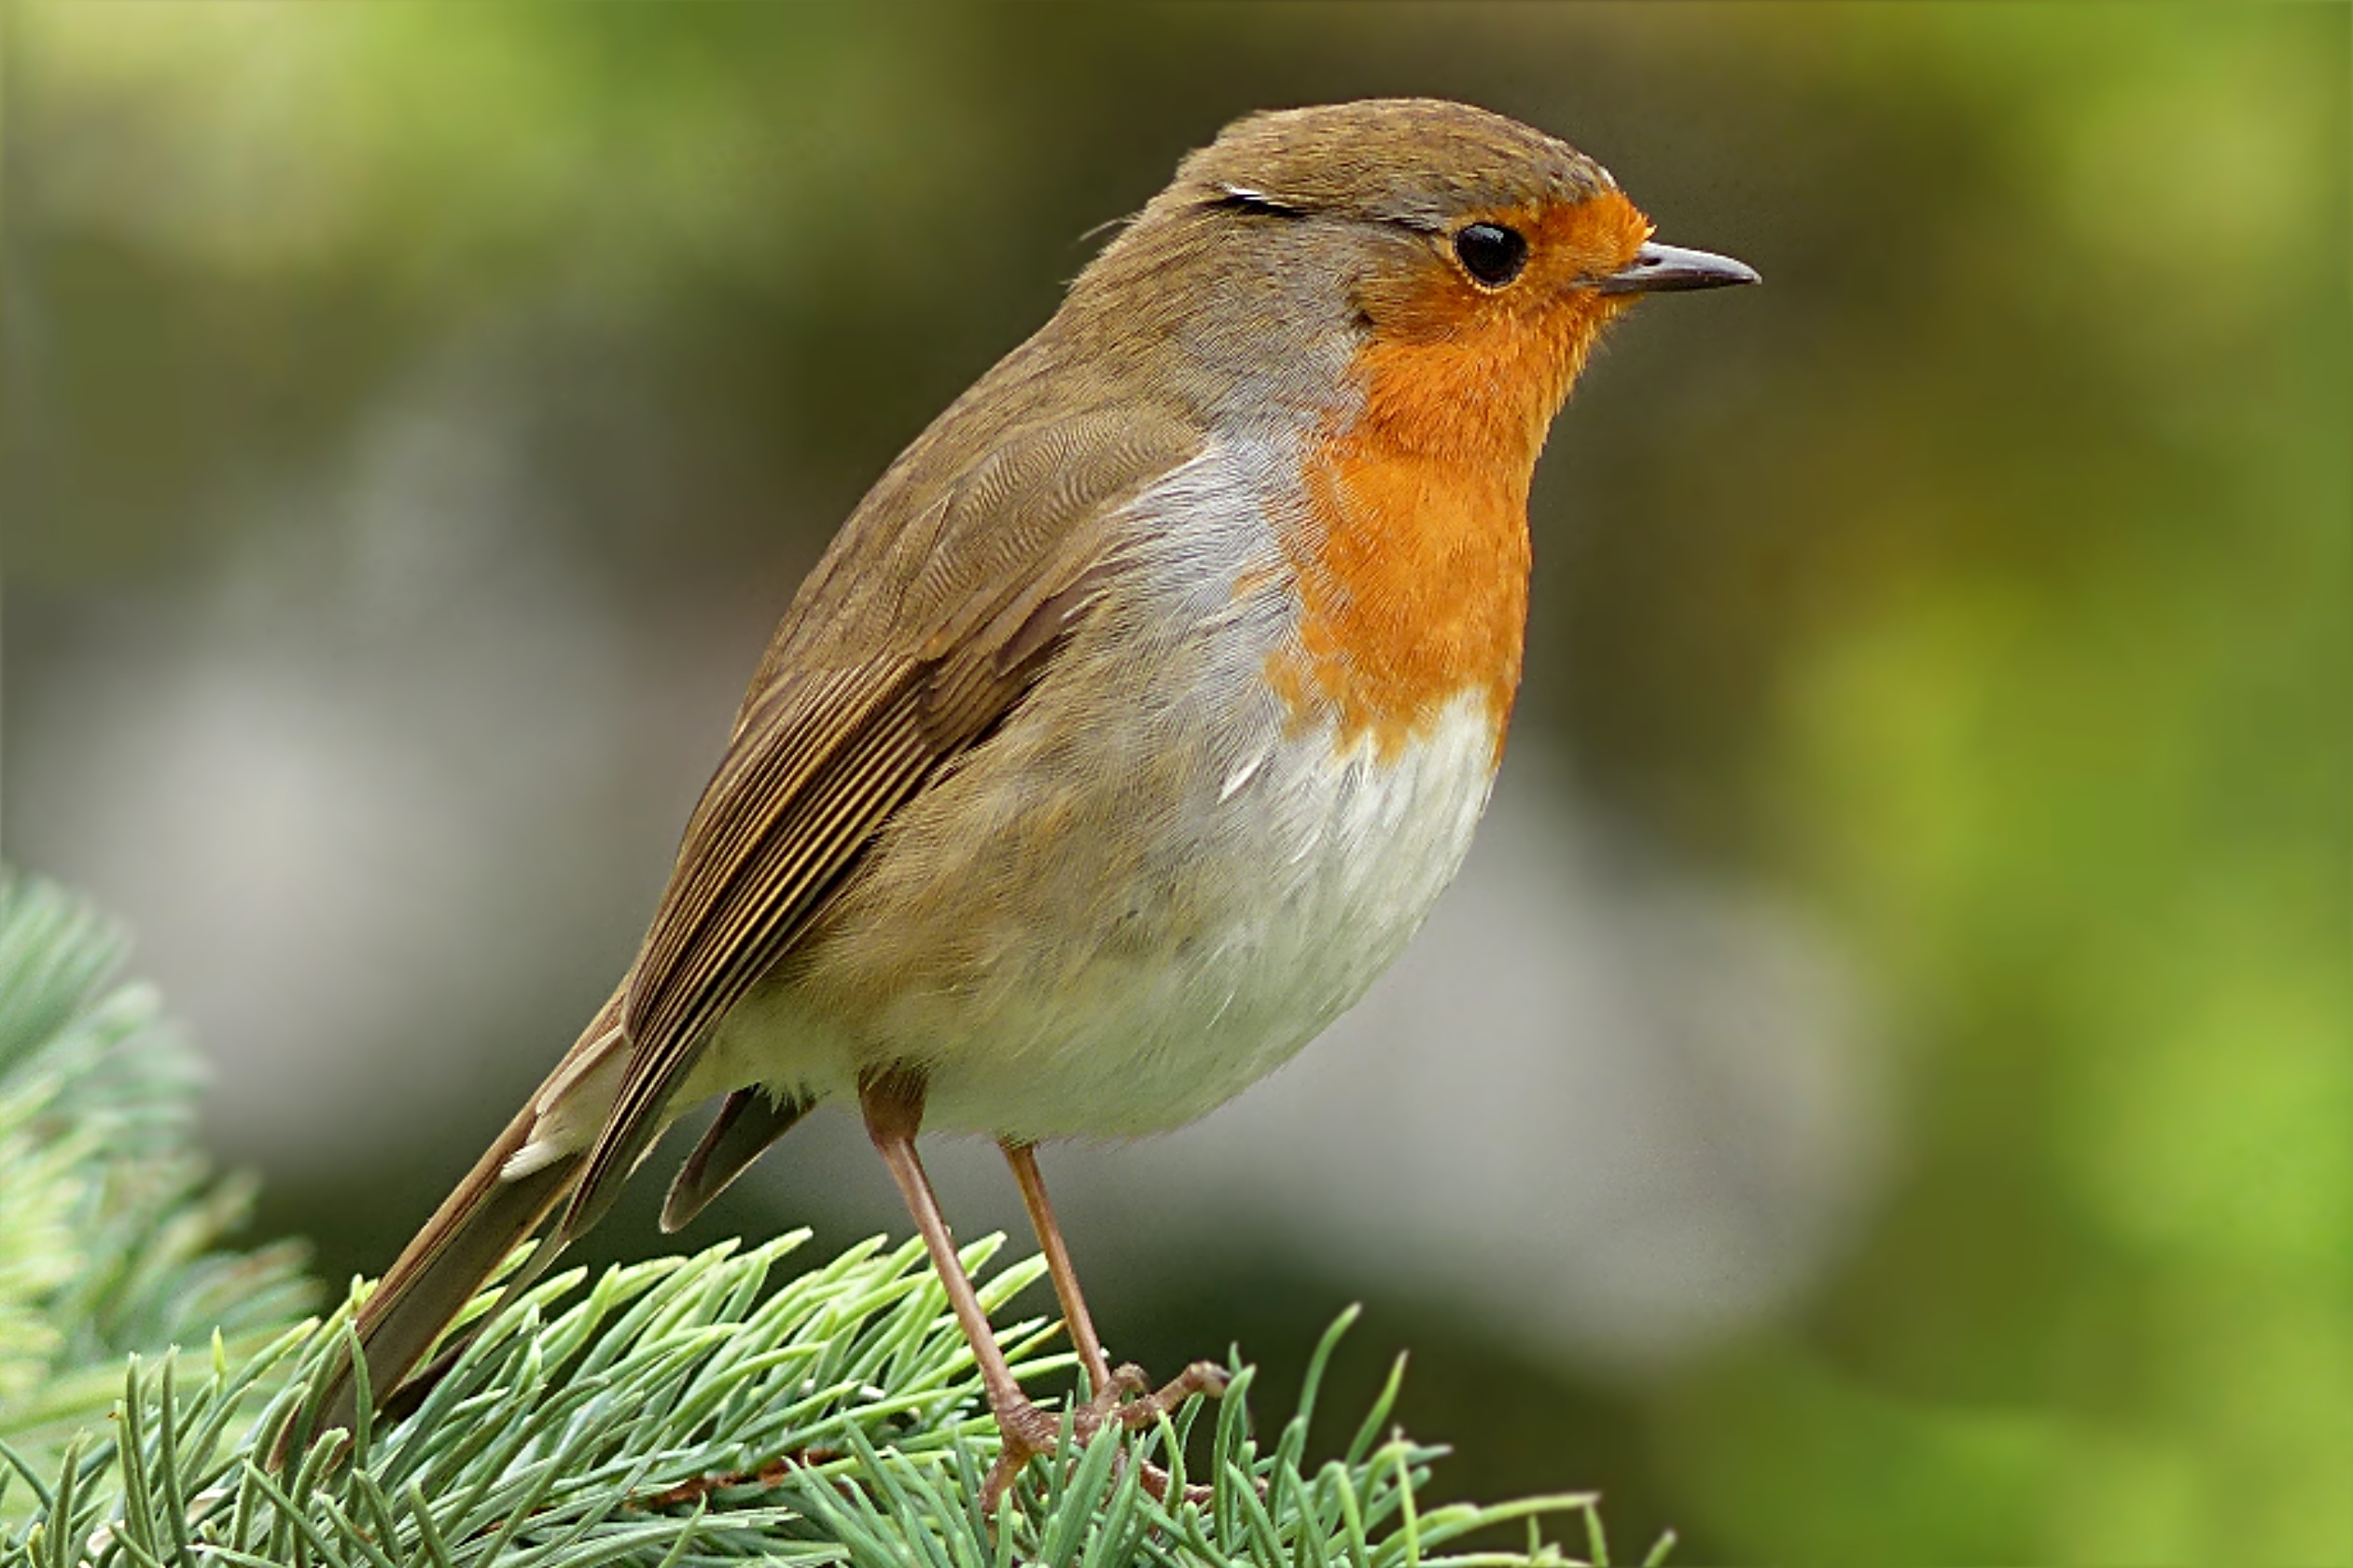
(474,1230)
(452,1258)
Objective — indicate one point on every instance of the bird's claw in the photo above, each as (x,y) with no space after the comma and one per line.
(1030,1432)
(1130,1397)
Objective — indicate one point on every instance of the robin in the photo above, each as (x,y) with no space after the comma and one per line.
(1132,723)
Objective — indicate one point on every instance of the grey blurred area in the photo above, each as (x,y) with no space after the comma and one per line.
(1846,1109)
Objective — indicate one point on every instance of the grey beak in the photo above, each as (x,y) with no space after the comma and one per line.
(1670,270)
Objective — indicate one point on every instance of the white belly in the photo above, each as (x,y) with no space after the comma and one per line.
(1346,860)
(1066,1010)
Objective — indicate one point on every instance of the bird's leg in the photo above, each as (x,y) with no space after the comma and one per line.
(1023,1158)
(893,1104)
(1106,1387)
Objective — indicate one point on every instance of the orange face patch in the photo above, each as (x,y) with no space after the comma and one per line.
(1412,560)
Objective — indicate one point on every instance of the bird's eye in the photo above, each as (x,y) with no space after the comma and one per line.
(1491,253)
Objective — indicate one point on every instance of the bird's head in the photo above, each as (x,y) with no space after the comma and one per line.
(1413,249)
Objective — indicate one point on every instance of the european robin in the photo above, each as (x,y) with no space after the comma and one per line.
(1132,723)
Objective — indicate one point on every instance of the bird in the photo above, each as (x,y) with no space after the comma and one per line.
(1127,729)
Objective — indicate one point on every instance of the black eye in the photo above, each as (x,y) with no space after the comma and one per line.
(1491,253)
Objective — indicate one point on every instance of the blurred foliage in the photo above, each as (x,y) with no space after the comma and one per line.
(1986,576)
(110,1235)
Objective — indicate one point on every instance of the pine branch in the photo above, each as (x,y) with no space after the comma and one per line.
(684,1411)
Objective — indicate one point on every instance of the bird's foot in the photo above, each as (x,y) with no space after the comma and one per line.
(1131,1400)
(1030,1432)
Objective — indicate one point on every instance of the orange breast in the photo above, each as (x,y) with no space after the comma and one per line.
(1412,574)
(1413,557)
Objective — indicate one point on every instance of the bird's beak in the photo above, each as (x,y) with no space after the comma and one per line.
(1670,270)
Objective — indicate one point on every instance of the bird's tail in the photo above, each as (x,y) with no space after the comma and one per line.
(475,1229)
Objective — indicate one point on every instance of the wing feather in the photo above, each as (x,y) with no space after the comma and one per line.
(848,722)
(788,861)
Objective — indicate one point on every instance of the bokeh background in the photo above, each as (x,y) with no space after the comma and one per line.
(1881,1090)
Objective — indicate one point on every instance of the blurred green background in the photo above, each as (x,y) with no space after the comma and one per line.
(416,413)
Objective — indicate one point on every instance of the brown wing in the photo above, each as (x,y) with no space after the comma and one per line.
(953,591)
